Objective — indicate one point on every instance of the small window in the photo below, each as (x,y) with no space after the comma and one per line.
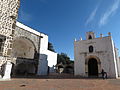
(90,49)
(90,37)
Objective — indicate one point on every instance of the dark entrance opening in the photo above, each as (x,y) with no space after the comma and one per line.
(92,67)
(25,69)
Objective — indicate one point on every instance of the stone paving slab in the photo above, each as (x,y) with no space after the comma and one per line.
(60,84)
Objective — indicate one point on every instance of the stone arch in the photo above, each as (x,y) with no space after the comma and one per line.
(23,47)
(87,61)
(23,37)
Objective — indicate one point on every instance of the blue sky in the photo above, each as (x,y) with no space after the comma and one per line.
(65,20)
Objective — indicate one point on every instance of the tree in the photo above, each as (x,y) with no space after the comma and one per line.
(67,64)
(63,58)
(50,47)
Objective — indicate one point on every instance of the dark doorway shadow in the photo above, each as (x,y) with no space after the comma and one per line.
(92,68)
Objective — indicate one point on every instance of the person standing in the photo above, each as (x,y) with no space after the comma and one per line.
(103,74)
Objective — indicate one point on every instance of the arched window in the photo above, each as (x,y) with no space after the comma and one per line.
(90,37)
(90,49)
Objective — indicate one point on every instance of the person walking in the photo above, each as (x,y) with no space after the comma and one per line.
(104,74)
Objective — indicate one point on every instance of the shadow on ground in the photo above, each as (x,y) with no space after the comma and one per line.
(55,76)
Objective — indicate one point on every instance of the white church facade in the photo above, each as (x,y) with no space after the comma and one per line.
(94,54)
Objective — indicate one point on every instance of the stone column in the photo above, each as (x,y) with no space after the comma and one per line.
(8,16)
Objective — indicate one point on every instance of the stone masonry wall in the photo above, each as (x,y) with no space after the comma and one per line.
(19,32)
(8,16)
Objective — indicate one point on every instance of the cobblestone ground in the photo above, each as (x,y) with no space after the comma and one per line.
(60,84)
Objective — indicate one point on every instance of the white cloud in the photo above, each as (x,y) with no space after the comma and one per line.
(92,15)
(23,16)
(109,12)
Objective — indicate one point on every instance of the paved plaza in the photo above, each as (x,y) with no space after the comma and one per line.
(60,84)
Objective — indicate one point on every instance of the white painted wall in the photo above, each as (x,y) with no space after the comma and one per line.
(44,44)
(27,28)
(117,61)
(51,56)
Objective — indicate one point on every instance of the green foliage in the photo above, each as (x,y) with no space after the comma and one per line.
(50,47)
(64,59)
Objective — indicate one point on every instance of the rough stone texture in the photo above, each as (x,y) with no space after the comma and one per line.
(8,15)
(21,33)
(20,44)
(26,40)
(103,52)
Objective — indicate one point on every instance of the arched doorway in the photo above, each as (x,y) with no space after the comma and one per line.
(92,67)
(24,51)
